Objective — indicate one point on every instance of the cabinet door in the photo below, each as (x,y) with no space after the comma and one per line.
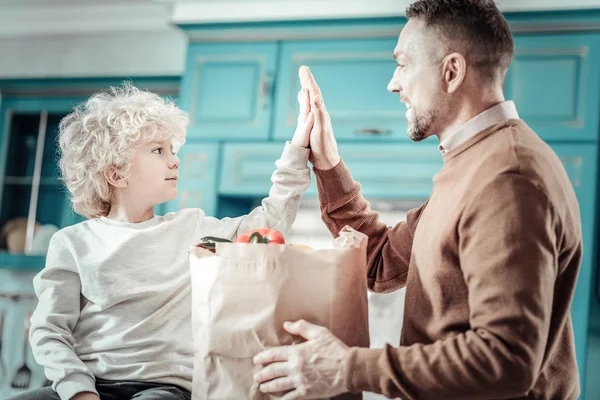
(554,82)
(197,178)
(580,161)
(227,90)
(401,170)
(353,76)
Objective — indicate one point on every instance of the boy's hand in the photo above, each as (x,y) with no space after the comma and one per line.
(85,396)
(305,121)
(323,147)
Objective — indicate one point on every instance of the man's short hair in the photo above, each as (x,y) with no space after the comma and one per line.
(477,26)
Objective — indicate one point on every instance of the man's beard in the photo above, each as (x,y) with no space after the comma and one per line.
(419,126)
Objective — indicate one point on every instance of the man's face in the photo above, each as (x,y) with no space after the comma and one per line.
(418,80)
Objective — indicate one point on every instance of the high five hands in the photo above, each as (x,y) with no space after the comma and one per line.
(314,128)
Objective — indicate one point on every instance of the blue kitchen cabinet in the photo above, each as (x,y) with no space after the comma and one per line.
(399,170)
(197,178)
(353,76)
(29,179)
(555,84)
(581,164)
(227,90)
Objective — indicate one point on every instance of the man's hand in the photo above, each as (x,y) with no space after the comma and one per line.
(306,120)
(310,370)
(85,396)
(324,153)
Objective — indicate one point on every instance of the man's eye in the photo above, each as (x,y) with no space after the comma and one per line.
(157,150)
(400,65)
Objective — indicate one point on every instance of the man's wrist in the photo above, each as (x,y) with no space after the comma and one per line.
(327,164)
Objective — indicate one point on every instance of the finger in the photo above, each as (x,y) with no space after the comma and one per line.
(308,124)
(305,329)
(316,102)
(307,80)
(293,395)
(272,371)
(271,355)
(303,131)
(304,105)
(306,102)
(278,385)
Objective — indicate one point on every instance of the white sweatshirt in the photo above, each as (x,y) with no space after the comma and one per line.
(114,297)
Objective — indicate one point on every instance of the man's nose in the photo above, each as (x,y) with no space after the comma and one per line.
(393,86)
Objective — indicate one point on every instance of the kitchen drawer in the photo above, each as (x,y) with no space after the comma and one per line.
(398,170)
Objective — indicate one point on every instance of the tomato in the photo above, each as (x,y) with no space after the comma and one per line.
(242,239)
(262,235)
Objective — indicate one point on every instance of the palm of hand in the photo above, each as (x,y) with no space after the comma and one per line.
(324,153)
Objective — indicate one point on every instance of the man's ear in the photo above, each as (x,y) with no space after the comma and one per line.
(114,178)
(454,70)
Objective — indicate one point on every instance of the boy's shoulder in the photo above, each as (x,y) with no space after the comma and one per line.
(184,213)
(93,227)
(75,230)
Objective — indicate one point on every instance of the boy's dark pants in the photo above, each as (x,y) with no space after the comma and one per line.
(117,390)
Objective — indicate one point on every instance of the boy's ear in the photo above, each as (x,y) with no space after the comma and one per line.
(112,177)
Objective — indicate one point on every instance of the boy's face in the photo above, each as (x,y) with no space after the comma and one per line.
(154,173)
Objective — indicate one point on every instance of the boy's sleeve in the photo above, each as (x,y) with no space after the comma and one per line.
(58,288)
(278,210)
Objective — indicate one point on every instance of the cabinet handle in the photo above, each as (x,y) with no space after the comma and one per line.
(35,184)
(373,131)
(265,89)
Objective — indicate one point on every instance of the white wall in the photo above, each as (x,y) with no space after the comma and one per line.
(117,54)
(77,38)
(186,11)
(65,38)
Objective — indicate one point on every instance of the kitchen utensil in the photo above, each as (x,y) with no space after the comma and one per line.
(2,368)
(22,378)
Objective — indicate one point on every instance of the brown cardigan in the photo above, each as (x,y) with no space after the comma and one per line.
(490,262)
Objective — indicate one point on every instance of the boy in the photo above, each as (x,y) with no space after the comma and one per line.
(114,318)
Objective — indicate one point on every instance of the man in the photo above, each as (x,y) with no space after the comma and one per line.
(490,261)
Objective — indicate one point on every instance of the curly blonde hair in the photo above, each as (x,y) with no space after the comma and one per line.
(103,132)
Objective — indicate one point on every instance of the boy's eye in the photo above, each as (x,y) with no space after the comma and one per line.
(157,150)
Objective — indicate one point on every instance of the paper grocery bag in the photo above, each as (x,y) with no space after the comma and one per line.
(242,295)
